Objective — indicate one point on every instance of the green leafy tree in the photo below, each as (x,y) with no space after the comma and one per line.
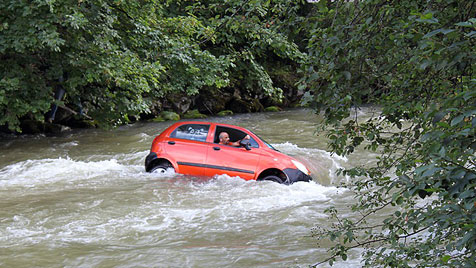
(415,60)
(120,58)
(256,36)
(115,57)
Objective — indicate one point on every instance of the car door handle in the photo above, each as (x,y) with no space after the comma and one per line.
(216,148)
(171,142)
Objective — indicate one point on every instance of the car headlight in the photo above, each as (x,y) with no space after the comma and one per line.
(301,167)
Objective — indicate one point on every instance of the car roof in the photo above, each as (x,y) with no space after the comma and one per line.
(207,123)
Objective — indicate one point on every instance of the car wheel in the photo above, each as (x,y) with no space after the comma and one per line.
(161,168)
(273,178)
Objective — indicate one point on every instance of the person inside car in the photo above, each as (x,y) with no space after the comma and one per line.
(225,139)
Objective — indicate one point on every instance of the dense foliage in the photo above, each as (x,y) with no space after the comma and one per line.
(117,59)
(416,59)
(113,57)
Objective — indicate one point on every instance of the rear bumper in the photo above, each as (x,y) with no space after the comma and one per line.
(151,157)
(296,175)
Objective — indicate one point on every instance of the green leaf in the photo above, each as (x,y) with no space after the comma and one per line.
(432,33)
(447,31)
(399,200)
(455,121)
(322,5)
(466,238)
(347,75)
(469,226)
(443,124)
(430,172)
(426,16)
(425,64)
(438,116)
(432,190)
(464,24)
(445,258)
(313,77)
(470,34)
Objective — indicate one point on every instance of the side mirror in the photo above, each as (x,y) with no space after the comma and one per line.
(246,144)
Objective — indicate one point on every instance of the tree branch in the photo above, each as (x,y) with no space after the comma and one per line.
(368,243)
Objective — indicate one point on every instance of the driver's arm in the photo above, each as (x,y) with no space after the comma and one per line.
(237,143)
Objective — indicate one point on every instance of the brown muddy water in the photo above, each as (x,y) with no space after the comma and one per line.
(84,200)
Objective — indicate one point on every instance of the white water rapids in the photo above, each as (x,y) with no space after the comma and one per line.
(83,199)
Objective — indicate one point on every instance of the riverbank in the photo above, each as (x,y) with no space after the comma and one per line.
(67,119)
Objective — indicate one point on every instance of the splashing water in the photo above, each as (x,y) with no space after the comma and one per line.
(85,200)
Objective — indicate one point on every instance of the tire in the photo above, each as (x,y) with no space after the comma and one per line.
(161,168)
(273,178)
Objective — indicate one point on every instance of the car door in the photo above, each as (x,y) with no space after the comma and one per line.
(230,160)
(187,146)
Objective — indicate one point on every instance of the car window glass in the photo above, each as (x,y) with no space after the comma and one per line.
(196,132)
(253,143)
(234,134)
(266,143)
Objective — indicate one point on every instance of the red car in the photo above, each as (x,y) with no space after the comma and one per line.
(193,148)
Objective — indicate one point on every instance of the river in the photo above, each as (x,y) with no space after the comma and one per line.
(83,199)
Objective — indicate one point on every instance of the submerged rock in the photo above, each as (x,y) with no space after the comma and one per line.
(167,115)
(225,113)
(194,114)
(272,109)
(32,127)
(39,127)
(158,119)
(55,128)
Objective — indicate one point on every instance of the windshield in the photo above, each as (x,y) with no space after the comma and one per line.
(266,143)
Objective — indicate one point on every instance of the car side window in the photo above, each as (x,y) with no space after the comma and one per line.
(234,134)
(196,132)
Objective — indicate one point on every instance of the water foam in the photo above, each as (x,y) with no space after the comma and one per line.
(323,164)
(237,198)
(31,173)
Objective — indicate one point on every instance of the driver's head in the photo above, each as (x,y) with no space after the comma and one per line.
(224,137)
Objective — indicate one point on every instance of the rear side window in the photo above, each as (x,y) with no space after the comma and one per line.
(196,132)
